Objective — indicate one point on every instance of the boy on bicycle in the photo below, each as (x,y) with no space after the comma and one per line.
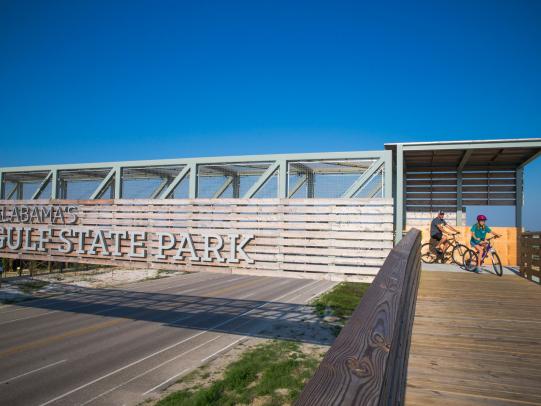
(478,241)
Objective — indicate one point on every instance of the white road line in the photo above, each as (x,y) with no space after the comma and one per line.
(219,351)
(164,382)
(174,358)
(149,370)
(34,370)
(317,294)
(168,347)
(244,337)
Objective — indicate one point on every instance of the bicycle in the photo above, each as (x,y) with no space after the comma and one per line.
(454,252)
(471,256)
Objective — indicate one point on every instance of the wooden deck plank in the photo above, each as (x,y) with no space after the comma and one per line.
(476,341)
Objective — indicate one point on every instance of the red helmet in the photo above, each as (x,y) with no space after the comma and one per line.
(481,217)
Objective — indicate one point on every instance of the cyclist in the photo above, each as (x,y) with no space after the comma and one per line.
(478,241)
(438,231)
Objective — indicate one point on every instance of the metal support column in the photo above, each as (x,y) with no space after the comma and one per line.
(282,179)
(62,189)
(118,182)
(519,198)
(192,186)
(459,175)
(459,198)
(310,184)
(236,186)
(19,190)
(399,204)
(2,185)
(388,175)
(54,184)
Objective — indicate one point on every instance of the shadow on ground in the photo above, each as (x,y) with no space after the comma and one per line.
(257,318)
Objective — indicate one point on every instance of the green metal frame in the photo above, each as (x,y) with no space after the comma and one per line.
(278,165)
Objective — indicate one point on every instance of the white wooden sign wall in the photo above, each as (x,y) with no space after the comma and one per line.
(313,238)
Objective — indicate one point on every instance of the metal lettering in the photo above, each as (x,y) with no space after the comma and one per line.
(68,243)
(27,240)
(12,245)
(99,242)
(116,236)
(162,246)
(213,248)
(186,240)
(134,244)
(44,237)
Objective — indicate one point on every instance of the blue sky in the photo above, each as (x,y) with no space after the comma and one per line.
(116,80)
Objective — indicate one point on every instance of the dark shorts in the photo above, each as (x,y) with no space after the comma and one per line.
(437,237)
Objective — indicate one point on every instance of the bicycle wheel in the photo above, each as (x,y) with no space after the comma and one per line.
(470,260)
(428,255)
(497,264)
(458,254)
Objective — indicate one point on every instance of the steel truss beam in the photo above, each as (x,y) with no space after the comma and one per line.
(363,179)
(160,187)
(169,190)
(201,161)
(310,178)
(15,190)
(261,181)
(228,181)
(103,185)
(42,186)
(302,180)
(278,162)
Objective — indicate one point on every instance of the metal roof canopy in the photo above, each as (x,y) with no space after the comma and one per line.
(449,175)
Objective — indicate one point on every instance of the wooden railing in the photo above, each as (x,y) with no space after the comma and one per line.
(367,363)
(530,256)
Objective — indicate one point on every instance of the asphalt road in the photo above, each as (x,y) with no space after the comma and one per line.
(119,346)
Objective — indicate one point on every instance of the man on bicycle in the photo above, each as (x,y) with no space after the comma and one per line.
(478,241)
(438,231)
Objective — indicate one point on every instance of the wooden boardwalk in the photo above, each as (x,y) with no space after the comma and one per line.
(476,341)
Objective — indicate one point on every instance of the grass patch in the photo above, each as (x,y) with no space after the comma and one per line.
(274,373)
(29,287)
(341,300)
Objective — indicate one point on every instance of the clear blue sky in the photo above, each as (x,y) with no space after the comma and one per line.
(119,80)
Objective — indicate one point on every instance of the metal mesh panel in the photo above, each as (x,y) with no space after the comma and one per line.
(10,190)
(373,187)
(234,180)
(324,179)
(23,185)
(269,189)
(147,182)
(81,184)
(182,189)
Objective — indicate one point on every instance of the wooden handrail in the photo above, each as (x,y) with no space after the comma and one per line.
(530,256)
(367,363)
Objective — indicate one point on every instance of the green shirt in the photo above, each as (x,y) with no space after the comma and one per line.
(480,233)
